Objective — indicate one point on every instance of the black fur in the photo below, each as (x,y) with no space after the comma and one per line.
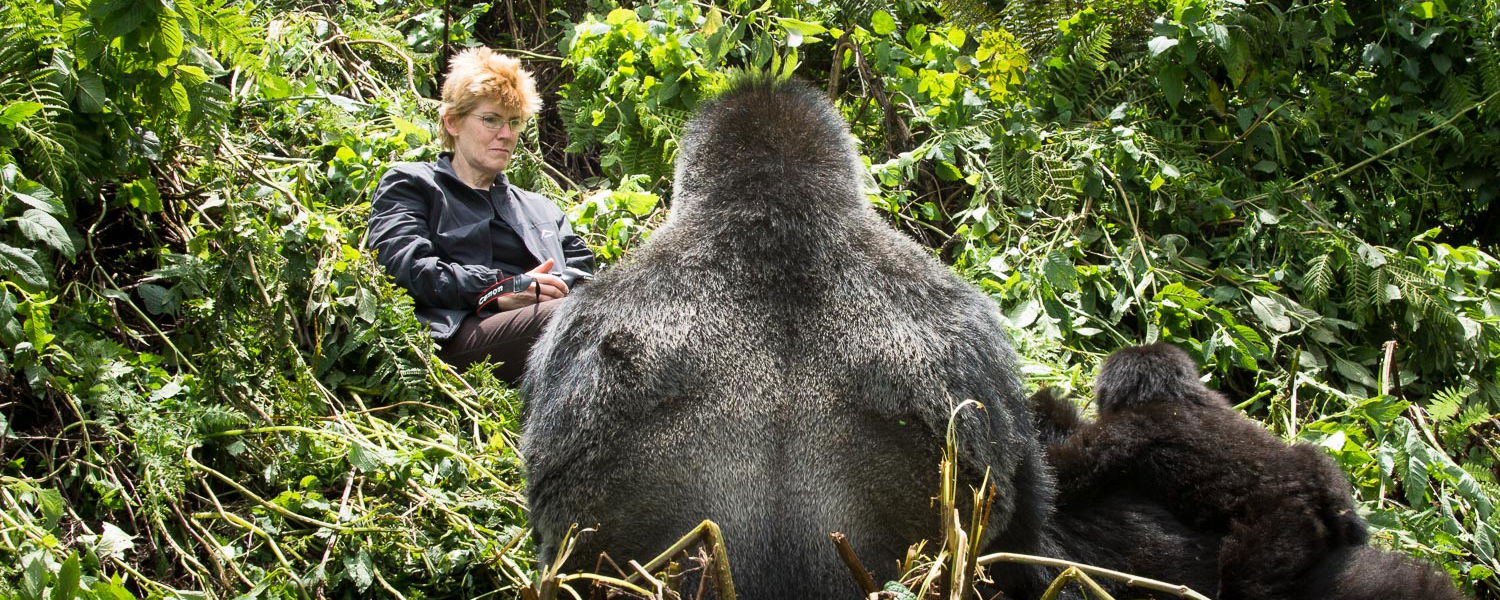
(1365,573)
(779,360)
(1123,528)
(1161,432)
(1172,459)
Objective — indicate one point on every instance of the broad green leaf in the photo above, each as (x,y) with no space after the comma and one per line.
(1415,470)
(947,172)
(273,86)
(143,195)
(66,587)
(117,18)
(1025,314)
(50,502)
(191,74)
(33,577)
(1428,35)
(38,226)
(10,330)
(1370,255)
(361,569)
(1170,78)
(168,42)
(1441,62)
(16,112)
(1218,34)
(917,35)
(957,37)
(1182,296)
(19,264)
(804,28)
(790,63)
(111,589)
(1355,372)
(371,458)
(620,16)
(1249,341)
(1271,313)
(1486,539)
(158,300)
(30,193)
(1060,272)
(639,203)
(1237,60)
(177,97)
(112,542)
(91,95)
(1423,10)
(713,21)
(1160,44)
(881,23)
(39,325)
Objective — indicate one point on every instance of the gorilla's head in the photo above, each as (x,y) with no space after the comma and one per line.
(767,144)
(1148,374)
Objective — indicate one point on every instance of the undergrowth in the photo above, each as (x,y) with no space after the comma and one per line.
(208,389)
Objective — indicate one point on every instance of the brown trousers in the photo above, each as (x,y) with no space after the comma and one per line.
(503,337)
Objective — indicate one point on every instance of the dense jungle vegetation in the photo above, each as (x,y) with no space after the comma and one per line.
(208,389)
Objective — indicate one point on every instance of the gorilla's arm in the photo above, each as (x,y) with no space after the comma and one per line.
(1096,453)
(1056,418)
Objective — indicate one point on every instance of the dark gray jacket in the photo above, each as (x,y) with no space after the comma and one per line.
(432,233)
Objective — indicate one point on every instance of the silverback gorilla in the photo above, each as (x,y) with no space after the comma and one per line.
(779,360)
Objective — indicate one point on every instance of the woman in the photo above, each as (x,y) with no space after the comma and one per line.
(485,261)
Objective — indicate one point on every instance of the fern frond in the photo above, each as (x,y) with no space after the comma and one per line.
(971,14)
(1488,60)
(1366,296)
(1318,279)
(1034,23)
(48,139)
(218,417)
(1447,402)
(1473,415)
(1415,288)
(1458,91)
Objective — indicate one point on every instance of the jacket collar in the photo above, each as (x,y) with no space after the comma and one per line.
(445,168)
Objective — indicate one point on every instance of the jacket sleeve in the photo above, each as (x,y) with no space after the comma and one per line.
(400,235)
(576,253)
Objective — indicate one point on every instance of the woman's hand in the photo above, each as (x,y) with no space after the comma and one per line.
(544,286)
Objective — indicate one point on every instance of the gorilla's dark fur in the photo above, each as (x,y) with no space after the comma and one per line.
(1208,495)
(779,360)
(1122,528)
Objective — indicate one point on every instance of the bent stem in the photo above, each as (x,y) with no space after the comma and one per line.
(550,582)
(1092,571)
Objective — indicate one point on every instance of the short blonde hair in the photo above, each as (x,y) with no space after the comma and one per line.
(481,74)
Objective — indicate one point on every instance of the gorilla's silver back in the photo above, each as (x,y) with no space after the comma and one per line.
(779,360)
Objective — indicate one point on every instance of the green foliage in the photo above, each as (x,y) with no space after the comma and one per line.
(220,390)
(636,74)
(1282,189)
(211,390)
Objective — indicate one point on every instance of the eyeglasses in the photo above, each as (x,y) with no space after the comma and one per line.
(495,122)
